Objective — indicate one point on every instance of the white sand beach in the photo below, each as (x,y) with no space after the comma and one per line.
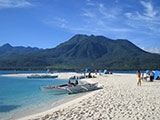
(120,99)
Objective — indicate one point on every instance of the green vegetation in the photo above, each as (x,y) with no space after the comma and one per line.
(82,51)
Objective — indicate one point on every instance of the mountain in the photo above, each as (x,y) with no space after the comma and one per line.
(94,52)
(7,51)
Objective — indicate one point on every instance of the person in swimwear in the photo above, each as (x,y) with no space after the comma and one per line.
(138,78)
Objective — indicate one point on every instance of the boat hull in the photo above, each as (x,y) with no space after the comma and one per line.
(82,88)
(53,90)
(67,88)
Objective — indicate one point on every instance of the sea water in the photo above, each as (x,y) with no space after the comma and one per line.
(20,96)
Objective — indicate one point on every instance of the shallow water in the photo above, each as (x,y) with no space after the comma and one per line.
(19,95)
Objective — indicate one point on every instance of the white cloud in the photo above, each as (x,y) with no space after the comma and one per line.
(99,26)
(128,15)
(150,12)
(95,19)
(14,3)
(99,19)
(147,19)
(121,29)
(100,9)
(89,14)
(152,49)
(89,3)
(56,21)
(108,12)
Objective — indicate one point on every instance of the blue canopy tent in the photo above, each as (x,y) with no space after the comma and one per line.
(86,70)
(147,72)
(156,74)
(47,72)
(105,71)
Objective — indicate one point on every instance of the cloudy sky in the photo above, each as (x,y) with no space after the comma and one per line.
(47,23)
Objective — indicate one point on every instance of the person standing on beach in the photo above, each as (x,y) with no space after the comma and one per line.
(138,78)
(151,76)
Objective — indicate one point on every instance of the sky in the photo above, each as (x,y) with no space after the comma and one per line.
(47,23)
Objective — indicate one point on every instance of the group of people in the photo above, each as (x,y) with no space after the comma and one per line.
(90,76)
(74,80)
(148,75)
(73,83)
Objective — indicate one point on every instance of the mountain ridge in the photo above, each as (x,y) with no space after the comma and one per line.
(7,50)
(81,51)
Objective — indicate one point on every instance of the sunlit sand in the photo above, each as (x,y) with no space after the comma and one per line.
(119,99)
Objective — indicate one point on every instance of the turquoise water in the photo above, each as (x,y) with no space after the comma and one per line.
(19,95)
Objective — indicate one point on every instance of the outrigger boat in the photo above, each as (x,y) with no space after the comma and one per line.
(42,76)
(68,88)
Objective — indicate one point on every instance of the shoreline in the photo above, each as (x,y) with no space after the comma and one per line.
(119,99)
(52,107)
(56,104)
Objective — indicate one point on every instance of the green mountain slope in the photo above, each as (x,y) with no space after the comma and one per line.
(7,50)
(95,52)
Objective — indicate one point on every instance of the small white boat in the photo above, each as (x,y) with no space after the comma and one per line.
(68,88)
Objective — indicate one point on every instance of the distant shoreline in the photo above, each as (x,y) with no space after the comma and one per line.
(71,70)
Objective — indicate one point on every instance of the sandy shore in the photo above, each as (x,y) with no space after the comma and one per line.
(120,99)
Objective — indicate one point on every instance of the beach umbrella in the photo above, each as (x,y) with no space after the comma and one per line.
(156,74)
